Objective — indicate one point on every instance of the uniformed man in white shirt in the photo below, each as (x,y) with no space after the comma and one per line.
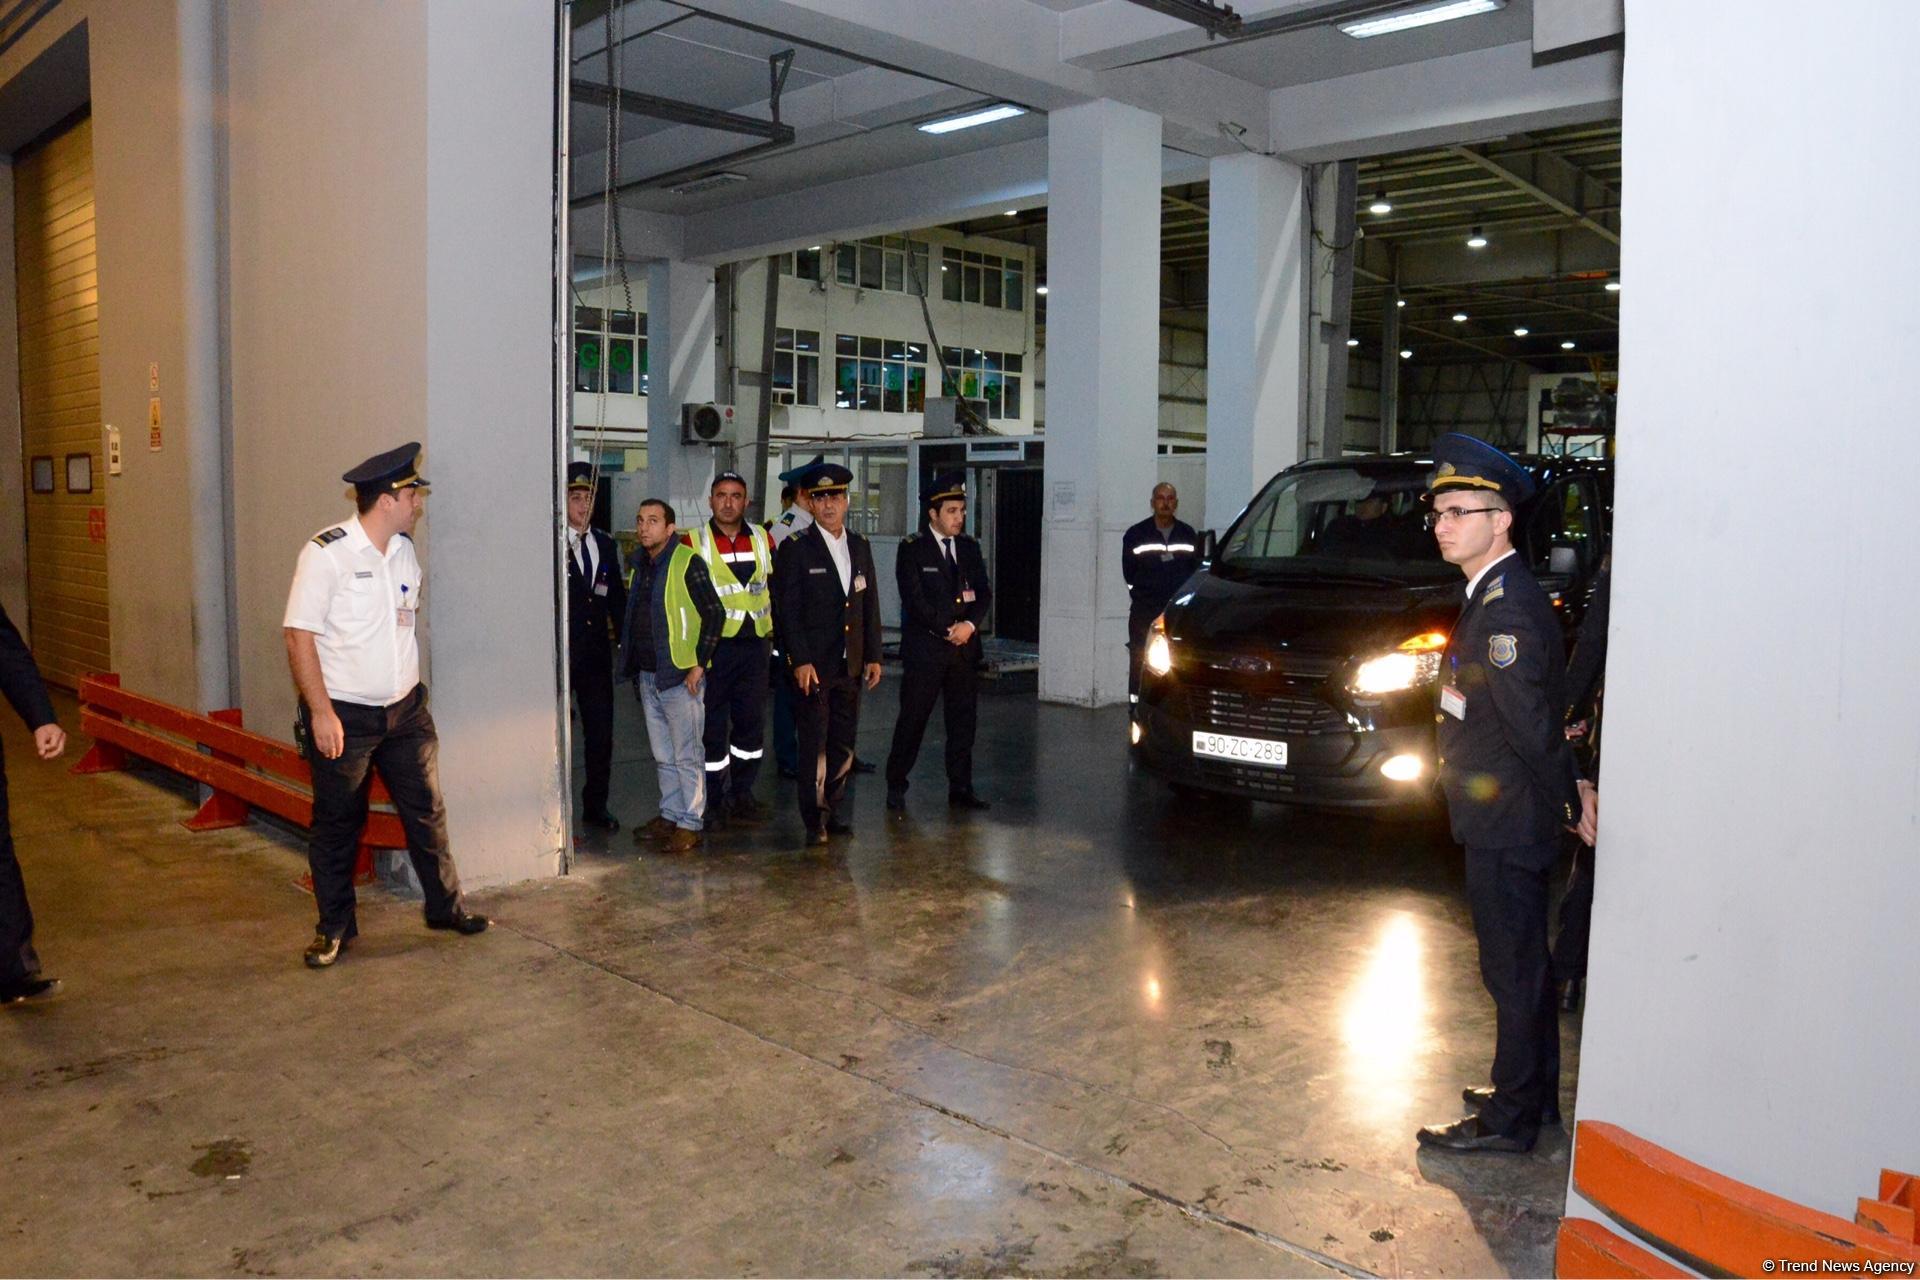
(350,632)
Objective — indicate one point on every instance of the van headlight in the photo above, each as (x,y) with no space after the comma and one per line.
(1415,662)
(1159,658)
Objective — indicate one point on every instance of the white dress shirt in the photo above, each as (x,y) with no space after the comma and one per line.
(361,606)
(575,541)
(842,558)
(1485,569)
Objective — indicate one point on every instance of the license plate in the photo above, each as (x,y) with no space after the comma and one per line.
(1222,746)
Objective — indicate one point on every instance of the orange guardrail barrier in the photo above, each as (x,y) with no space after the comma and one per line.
(245,770)
(1719,1226)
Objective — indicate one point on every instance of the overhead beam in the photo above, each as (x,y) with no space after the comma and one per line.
(1538,192)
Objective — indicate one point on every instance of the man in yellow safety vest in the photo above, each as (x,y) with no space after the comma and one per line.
(739,558)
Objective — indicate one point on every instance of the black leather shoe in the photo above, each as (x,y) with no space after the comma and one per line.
(966,800)
(461,922)
(817,837)
(1478,1095)
(715,819)
(835,827)
(747,809)
(30,991)
(1572,995)
(896,800)
(602,820)
(861,766)
(323,951)
(1466,1134)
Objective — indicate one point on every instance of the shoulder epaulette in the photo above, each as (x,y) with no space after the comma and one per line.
(910,538)
(1495,590)
(331,535)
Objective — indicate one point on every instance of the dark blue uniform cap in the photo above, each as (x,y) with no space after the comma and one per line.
(579,476)
(947,485)
(389,472)
(792,475)
(1464,462)
(825,477)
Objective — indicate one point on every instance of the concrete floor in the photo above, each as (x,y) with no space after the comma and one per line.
(1101,1030)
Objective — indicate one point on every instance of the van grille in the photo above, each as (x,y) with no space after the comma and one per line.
(1283,716)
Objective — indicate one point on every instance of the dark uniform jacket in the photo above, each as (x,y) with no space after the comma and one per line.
(815,623)
(595,609)
(1156,564)
(20,678)
(1587,669)
(932,597)
(1505,765)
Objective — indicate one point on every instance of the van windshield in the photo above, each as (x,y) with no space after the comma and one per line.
(1337,521)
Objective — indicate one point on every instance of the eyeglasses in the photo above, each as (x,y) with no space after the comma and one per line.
(1445,514)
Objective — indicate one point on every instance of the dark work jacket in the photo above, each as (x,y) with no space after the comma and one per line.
(1506,768)
(1156,564)
(596,609)
(20,677)
(814,622)
(644,644)
(931,598)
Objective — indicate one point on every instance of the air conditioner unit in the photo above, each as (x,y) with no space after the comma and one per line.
(951,416)
(706,424)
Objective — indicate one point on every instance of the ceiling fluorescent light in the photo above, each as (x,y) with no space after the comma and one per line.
(985,115)
(1419,16)
(707,182)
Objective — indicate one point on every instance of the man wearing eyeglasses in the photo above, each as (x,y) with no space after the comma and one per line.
(1511,784)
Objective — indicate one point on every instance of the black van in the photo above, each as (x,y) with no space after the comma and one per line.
(1298,664)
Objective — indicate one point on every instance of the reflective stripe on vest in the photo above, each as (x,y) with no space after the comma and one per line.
(739,597)
(683,617)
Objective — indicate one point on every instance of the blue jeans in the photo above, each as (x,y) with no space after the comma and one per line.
(676,721)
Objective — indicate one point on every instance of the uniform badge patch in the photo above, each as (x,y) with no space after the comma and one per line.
(1502,650)
(332,535)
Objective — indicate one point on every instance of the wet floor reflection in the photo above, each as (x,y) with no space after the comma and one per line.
(1386,1025)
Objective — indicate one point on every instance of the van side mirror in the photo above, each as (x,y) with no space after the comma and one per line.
(1209,543)
(1562,560)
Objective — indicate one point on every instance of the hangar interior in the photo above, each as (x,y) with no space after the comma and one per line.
(1107,1029)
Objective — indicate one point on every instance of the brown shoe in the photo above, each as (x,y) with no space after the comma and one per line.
(681,841)
(658,829)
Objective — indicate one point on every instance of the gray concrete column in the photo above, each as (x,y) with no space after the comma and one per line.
(1256,327)
(681,365)
(203,384)
(1331,285)
(492,447)
(1103,309)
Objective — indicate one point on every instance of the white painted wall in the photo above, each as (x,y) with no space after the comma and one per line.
(830,310)
(1749,1002)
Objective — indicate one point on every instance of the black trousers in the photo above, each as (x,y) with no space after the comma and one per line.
(736,700)
(400,742)
(18,963)
(953,679)
(1576,918)
(591,675)
(1508,890)
(1138,621)
(826,722)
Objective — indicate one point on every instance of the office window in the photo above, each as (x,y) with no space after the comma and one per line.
(804,263)
(609,351)
(891,264)
(993,376)
(796,366)
(880,375)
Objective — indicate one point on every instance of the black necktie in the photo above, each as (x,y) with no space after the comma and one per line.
(946,553)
